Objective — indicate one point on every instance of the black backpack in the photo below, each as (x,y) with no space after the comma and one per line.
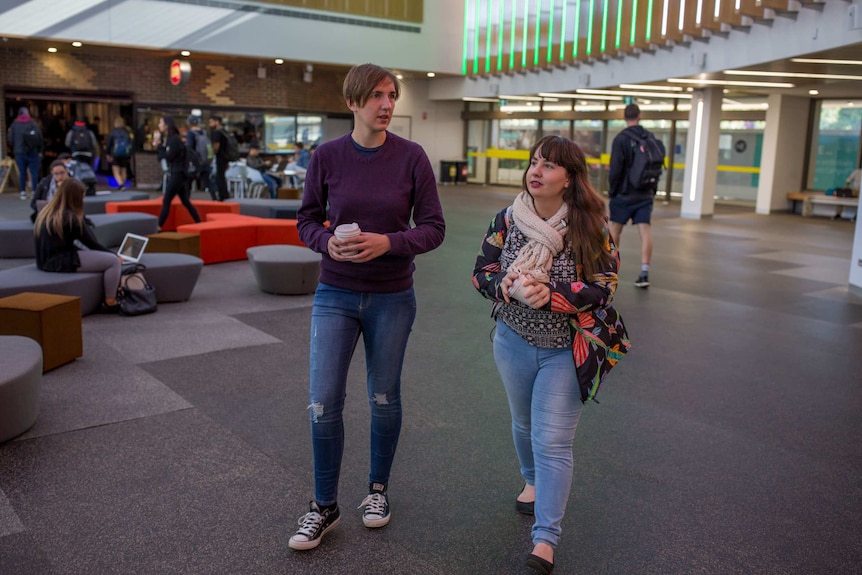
(122,144)
(232,146)
(193,162)
(81,140)
(647,162)
(32,138)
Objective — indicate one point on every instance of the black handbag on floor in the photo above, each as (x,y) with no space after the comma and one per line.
(135,295)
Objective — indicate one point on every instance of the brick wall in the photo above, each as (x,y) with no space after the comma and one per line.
(222,82)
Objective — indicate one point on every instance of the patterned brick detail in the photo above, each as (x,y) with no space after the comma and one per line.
(74,72)
(218,81)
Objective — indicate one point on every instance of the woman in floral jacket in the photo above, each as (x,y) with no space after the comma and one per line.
(557,340)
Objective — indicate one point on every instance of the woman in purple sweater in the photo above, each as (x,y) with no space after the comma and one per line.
(379,181)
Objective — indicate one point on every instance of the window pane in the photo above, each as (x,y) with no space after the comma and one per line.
(835,152)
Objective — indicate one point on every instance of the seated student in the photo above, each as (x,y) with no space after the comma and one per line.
(65,244)
(299,164)
(47,186)
(256,162)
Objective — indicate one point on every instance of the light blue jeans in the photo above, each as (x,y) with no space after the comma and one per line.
(338,318)
(545,402)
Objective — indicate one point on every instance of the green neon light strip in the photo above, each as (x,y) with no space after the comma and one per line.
(576,39)
(604,40)
(619,24)
(632,37)
(538,34)
(476,40)
(500,23)
(512,34)
(550,32)
(488,29)
(525,29)
(466,40)
(590,28)
(649,20)
(563,32)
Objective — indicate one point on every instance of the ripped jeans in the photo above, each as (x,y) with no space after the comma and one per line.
(338,318)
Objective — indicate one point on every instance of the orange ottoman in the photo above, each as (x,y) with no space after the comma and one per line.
(278,232)
(52,320)
(178,215)
(223,241)
(175,243)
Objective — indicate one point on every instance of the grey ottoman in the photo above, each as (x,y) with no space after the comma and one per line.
(96,204)
(110,229)
(285,269)
(20,383)
(87,286)
(16,239)
(174,276)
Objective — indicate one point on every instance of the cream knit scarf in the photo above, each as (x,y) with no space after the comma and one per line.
(545,238)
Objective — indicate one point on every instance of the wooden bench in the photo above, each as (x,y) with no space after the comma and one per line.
(811,199)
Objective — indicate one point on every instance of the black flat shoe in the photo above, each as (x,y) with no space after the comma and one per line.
(525,507)
(109,309)
(540,565)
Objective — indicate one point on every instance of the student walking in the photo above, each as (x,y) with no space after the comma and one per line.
(379,181)
(26,139)
(175,155)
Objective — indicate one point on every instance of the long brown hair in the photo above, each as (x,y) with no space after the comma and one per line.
(67,204)
(586,220)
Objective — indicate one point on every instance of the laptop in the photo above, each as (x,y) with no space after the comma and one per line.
(132,248)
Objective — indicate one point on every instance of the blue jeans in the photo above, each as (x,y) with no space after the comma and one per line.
(338,318)
(545,402)
(28,160)
(272,185)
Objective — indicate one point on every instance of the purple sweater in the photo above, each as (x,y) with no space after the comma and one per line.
(380,193)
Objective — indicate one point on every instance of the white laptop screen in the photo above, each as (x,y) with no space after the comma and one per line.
(132,248)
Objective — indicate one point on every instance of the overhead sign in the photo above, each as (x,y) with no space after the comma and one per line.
(180,72)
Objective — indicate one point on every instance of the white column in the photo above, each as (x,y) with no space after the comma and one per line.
(781,163)
(855,286)
(701,154)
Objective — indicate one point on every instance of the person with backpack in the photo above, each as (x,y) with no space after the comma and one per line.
(221,148)
(82,143)
(199,141)
(26,139)
(175,154)
(120,148)
(637,158)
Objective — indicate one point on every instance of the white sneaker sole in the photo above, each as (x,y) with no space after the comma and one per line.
(304,544)
(375,523)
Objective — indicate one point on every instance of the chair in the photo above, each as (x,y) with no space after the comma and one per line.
(237,177)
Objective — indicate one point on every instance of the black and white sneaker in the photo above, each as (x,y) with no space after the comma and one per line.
(642,281)
(376,506)
(313,526)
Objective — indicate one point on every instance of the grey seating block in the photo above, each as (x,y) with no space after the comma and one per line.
(20,384)
(262,207)
(173,276)
(110,229)
(16,239)
(285,269)
(87,286)
(96,204)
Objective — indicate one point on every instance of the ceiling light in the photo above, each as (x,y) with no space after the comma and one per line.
(469,99)
(649,87)
(527,98)
(825,61)
(731,83)
(633,93)
(279,61)
(430,74)
(399,76)
(578,96)
(77,44)
(185,53)
(52,49)
(813,92)
(792,75)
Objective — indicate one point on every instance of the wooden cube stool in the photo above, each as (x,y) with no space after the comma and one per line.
(289,193)
(175,243)
(52,320)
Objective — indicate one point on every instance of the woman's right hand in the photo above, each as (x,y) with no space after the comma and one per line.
(506,284)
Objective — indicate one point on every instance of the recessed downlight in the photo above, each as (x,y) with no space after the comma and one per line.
(76,44)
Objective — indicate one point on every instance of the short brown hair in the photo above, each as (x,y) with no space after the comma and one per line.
(362,79)
(632,112)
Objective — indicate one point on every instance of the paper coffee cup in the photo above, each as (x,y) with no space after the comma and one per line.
(517,290)
(347,232)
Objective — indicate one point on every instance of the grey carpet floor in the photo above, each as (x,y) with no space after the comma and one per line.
(727,442)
